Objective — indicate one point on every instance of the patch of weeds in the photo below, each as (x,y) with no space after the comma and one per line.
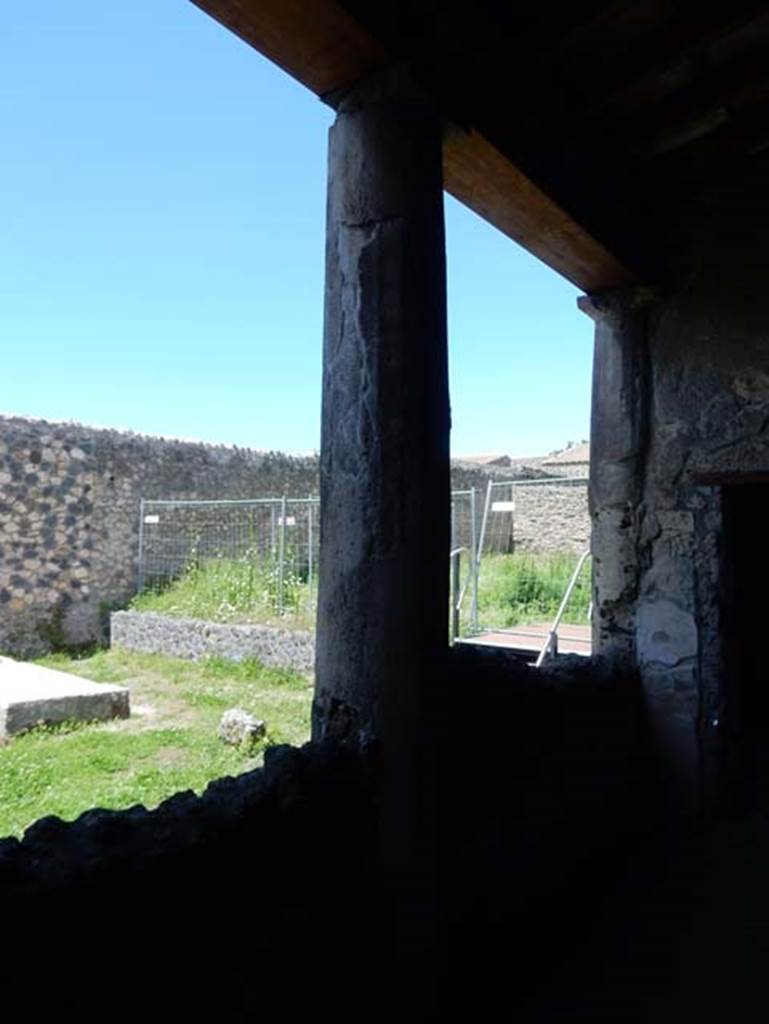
(211,698)
(251,670)
(523,588)
(246,589)
(57,728)
(97,664)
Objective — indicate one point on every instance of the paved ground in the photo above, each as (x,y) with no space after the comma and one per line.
(31,694)
(571,639)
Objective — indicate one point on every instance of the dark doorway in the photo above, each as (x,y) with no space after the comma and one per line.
(746,642)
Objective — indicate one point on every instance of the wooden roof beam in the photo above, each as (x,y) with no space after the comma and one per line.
(315,41)
(482,178)
(321,45)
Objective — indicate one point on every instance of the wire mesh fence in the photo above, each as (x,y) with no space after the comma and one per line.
(233,559)
(535,515)
(257,559)
(466,513)
(531,538)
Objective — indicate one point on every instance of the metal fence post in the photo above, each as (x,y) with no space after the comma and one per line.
(281,553)
(474,559)
(309,542)
(484,521)
(455,565)
(512,517)
(140,561)
(550,646)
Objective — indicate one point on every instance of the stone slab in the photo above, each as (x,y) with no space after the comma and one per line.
(151,633)
(31,695)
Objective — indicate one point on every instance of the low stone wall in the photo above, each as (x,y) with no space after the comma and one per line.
(194,639)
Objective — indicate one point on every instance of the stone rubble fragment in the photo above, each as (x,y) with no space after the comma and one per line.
(238,727)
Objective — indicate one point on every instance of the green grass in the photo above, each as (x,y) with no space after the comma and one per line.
(514,589)
(520,589)
(230,590)
(169,743)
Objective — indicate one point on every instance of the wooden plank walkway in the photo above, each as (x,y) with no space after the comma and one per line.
(530,638)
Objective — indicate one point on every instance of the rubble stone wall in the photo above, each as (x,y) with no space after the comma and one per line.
(681,408)
(546,518)
(69,517)
(552,517)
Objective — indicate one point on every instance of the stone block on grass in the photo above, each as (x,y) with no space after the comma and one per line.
(32,695)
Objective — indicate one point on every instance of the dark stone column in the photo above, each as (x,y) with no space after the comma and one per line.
(645,537)
(383,602)
(618,440)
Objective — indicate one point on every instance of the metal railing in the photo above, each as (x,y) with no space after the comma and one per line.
(457,591)
(464,539)
(550,646)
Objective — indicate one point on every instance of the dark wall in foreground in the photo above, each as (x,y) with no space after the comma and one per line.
(264,896)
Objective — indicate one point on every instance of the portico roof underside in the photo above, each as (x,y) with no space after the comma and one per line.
(581,131)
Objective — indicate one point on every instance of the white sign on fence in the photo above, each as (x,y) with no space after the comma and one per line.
(151,520)
(290,520)
(503,506)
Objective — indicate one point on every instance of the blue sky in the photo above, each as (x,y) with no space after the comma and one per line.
(162,202)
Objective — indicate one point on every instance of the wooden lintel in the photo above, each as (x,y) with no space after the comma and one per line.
(481,177)
(315,41)
(325,48)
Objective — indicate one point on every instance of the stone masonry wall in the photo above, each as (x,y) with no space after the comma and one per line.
(710,411)
(195,639)
(681,401)
(548,518)
(552,517)
(69,516)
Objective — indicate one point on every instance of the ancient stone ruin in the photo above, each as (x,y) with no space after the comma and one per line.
(70,499)
(31,695)
(598,849)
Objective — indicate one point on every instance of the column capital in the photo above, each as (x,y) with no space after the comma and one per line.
(389,85)
(619,302)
